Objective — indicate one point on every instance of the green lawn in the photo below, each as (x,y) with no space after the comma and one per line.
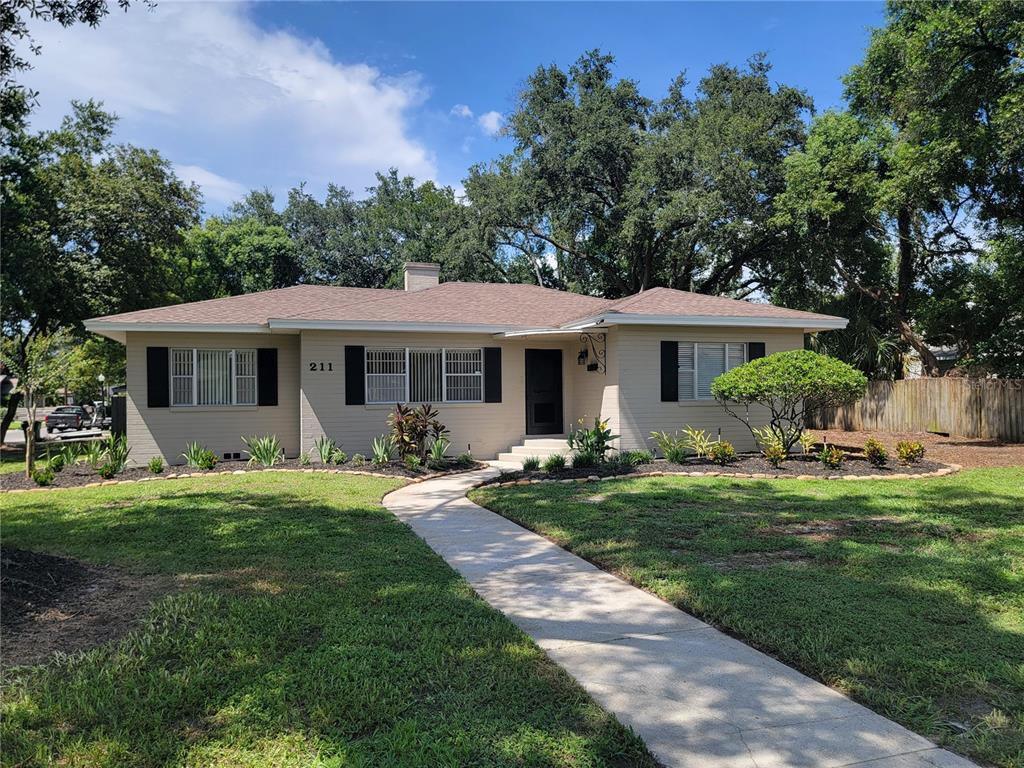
(907,595)
(324,634)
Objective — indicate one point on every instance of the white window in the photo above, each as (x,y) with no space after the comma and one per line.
(245,377)
(424,375)
(213,377)
(463,375)
(182,378)
(425,384)
(700,363)
(385,375)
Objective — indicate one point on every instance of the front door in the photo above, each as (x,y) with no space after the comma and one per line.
(544,392)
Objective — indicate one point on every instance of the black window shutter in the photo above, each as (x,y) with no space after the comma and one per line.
(755,349)
(158,378)
(669,371)
(492,374)
(355,381)
(266,376)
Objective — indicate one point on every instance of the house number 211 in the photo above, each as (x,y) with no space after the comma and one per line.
(321,366)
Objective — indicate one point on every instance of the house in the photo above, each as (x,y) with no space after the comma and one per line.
(502,363)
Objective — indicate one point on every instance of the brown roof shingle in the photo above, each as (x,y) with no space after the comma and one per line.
(507,305)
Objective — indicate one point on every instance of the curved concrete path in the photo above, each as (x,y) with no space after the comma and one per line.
(697,697)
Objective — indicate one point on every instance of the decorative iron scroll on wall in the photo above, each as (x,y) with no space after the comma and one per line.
(594,352)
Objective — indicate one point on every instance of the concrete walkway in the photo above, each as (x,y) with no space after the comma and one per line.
(697,697)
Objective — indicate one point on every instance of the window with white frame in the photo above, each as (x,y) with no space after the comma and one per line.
(463,375)
(424,375)
(213,377)
(701,362)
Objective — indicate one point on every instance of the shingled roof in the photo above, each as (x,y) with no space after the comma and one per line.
(483,306)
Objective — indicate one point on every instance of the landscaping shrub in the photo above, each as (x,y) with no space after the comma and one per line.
(910,451)
(115,452)
(42,476)
(595,440)
(338,456)
(465,458)
(831,456)
(199,456)
(789,384)
(106,471)
(55,463)
(774,454)
(325,448)
(413,430)
(807,441)
(670,446)
(767,437)
(264,450)
(305,459)
(585,460)
(554,462)
(531,464)
(69,453)
(383,448)
(875,452)
(93,453)
(722,452)
(438,449)
(155,465)
(635,458)
(358,459)
(697,441)
(413,462)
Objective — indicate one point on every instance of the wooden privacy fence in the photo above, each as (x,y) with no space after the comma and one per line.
(992,408)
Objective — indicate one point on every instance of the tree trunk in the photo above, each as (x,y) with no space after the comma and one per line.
(30,435)
(12,408)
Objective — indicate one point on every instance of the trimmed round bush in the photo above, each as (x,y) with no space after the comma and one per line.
(788,384)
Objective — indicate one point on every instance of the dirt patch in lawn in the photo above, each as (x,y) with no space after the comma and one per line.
(53,604)
(968,452)
(759,560)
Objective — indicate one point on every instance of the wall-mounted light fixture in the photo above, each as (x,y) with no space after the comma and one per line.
(595,346)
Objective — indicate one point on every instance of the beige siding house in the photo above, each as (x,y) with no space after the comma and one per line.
(504,364)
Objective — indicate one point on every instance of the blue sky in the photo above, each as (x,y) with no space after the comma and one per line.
(272,94)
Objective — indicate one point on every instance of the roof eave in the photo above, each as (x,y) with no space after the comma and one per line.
(806,324)
(120,327)
(386,326)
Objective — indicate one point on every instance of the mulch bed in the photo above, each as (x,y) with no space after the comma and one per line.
(53,603)
(746,464)
(81,474)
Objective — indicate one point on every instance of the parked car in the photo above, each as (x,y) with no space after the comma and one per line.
(67,417)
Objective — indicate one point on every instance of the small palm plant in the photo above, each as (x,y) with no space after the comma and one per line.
(383,449)
(264,450)
(325,448)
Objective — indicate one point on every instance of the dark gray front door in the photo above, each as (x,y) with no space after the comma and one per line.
(544,392)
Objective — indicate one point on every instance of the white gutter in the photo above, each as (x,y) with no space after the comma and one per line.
(546,331)
(807,325)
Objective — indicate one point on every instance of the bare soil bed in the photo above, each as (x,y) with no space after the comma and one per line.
(53,604)
(968,452)
(81,474)
(746,464)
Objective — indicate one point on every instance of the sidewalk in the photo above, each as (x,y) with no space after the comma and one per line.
(697,697)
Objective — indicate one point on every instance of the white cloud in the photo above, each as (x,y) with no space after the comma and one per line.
(215,188)
(461,110)
(212,90)
(491,122)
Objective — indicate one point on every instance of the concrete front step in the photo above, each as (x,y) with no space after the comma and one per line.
(541,447)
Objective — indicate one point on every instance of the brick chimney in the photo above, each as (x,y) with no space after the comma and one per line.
(420,275)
